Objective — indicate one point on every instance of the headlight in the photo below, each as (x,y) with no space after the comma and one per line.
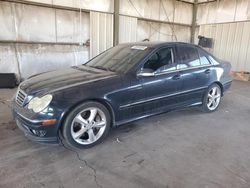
(38,104)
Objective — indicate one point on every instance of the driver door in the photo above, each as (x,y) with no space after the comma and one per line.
(161,88)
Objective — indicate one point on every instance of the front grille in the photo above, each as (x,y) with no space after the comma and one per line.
(20,97)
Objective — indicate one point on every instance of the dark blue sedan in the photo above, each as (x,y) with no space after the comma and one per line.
(128,82)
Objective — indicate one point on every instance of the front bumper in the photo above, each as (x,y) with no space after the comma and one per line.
(33,128)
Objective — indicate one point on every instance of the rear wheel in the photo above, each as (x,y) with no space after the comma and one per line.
(212,98)
(86,125)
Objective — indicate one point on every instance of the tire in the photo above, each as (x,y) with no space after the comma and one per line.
(212,98)
(86,125)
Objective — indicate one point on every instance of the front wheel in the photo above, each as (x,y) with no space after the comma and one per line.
(212,98)
(86,125)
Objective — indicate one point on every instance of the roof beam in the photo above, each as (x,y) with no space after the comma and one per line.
(116,22)
(209,1)
(183,1)
(193,27)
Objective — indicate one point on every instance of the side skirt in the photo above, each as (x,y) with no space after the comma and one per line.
(119,123)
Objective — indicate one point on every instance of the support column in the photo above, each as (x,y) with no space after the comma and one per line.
(116,22)
(193,27)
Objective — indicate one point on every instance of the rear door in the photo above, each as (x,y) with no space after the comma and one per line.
(195,73)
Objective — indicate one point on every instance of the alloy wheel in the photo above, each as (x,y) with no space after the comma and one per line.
(88,126)
(213,98)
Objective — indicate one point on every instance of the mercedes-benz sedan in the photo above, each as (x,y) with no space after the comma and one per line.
(128,82)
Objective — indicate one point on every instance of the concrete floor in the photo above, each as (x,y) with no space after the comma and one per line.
(185,149)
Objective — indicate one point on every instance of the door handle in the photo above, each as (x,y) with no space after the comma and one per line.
(207,71)
(176,77)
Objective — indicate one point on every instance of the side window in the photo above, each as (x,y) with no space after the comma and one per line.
(203,57)
(188,57)
(215,62)
(160,61)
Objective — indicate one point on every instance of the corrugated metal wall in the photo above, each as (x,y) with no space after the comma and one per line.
(231,43)
(93,5)
(158,20)
(127,29)
(133,29)
(28,23)
(47,38)
(162,32)
(223,11)
(160,10)
(32,59)
(228,23)
(42,35)
(101,32)
(38,38)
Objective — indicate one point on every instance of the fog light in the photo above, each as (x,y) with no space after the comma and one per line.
(40,133)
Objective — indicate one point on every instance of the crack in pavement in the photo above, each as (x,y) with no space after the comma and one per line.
(4,102)
(237,175)
(83,160)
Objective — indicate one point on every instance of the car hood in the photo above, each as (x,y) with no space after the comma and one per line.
(60,79)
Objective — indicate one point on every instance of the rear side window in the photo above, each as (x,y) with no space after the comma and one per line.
(203,57)
(213,61)
(188,57)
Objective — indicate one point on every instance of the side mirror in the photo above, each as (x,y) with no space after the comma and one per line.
(146,73)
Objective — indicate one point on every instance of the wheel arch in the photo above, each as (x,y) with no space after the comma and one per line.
(101,101)
(221,86)
(216,82)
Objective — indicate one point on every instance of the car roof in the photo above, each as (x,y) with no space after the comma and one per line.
(155,44)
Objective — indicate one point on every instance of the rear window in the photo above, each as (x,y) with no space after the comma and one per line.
(203,57)
(213,60)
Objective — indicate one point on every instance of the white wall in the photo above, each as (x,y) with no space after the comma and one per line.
(165,10)
(36,27)
(231,43)
(101,29)
(42,35)
(162,32)
(166,20)
(28,23)
(223,11)
(127,29)
(94,5)
(228,23)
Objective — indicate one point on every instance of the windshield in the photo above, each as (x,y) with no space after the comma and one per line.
(119,59)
